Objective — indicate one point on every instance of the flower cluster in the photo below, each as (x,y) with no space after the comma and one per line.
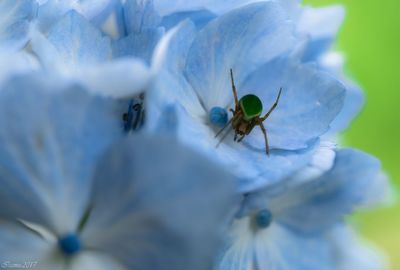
(153,134)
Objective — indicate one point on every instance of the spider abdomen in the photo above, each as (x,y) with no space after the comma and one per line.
(251,106)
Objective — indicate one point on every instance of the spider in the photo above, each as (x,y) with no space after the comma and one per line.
(247,115)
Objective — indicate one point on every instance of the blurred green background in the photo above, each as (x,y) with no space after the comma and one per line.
(370,39)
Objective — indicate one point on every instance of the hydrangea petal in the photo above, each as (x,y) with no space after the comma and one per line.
(321,203)
(199,17)
(261,32)
(280,248)
(46,166)
(322,26)
(160,212)
(273,248)
(170,86)
(78,43)
(140,45)
(310,101)
(218,7)
(15,19)
(94,261)
(140,15)
(14,64)
(351,252)
(119,79)
(96,11)
(21,248)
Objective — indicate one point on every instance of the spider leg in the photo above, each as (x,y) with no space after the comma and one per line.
(234,90)
(241,138)
(264,131)
(223,137)
(273,106)
(222,129)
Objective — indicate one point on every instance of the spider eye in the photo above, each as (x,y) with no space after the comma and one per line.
(218,116)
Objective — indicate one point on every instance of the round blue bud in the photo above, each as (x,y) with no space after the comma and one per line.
(218,116)
(263,218)
(70,244)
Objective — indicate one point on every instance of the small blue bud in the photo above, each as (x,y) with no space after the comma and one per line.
(70,244)
(218,116)
(263,218)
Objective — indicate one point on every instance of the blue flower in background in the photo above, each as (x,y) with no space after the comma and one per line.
(15,22)
(69,203)
(279,227)
(195,77)
(75,49)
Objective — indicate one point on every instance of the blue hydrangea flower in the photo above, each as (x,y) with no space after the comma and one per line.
(256,41)
(69,203)
(280,226)
(76,50)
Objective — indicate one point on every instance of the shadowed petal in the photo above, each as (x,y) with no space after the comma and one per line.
(54,135)
(140,15)
(21,248)
(121,78)
(15,19)
(96,11)
(149,209)
(74,43)
(140,45)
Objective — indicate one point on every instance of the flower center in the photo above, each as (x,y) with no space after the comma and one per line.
(70,244)
(218,116)
(263,219)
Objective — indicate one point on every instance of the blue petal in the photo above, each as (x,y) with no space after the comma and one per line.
(310,101)
(323,202)
(140,16)
(96,11)
(275,248)
(15,19)
(18,245)
(261,32)
(168,7)
(140,45)
(76,42)
(170,86)
(199,17)
(12,64)
(352,106)
(122,78)
(54,135)
(149,210)
(321,25)
(353,253)
(93,260)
